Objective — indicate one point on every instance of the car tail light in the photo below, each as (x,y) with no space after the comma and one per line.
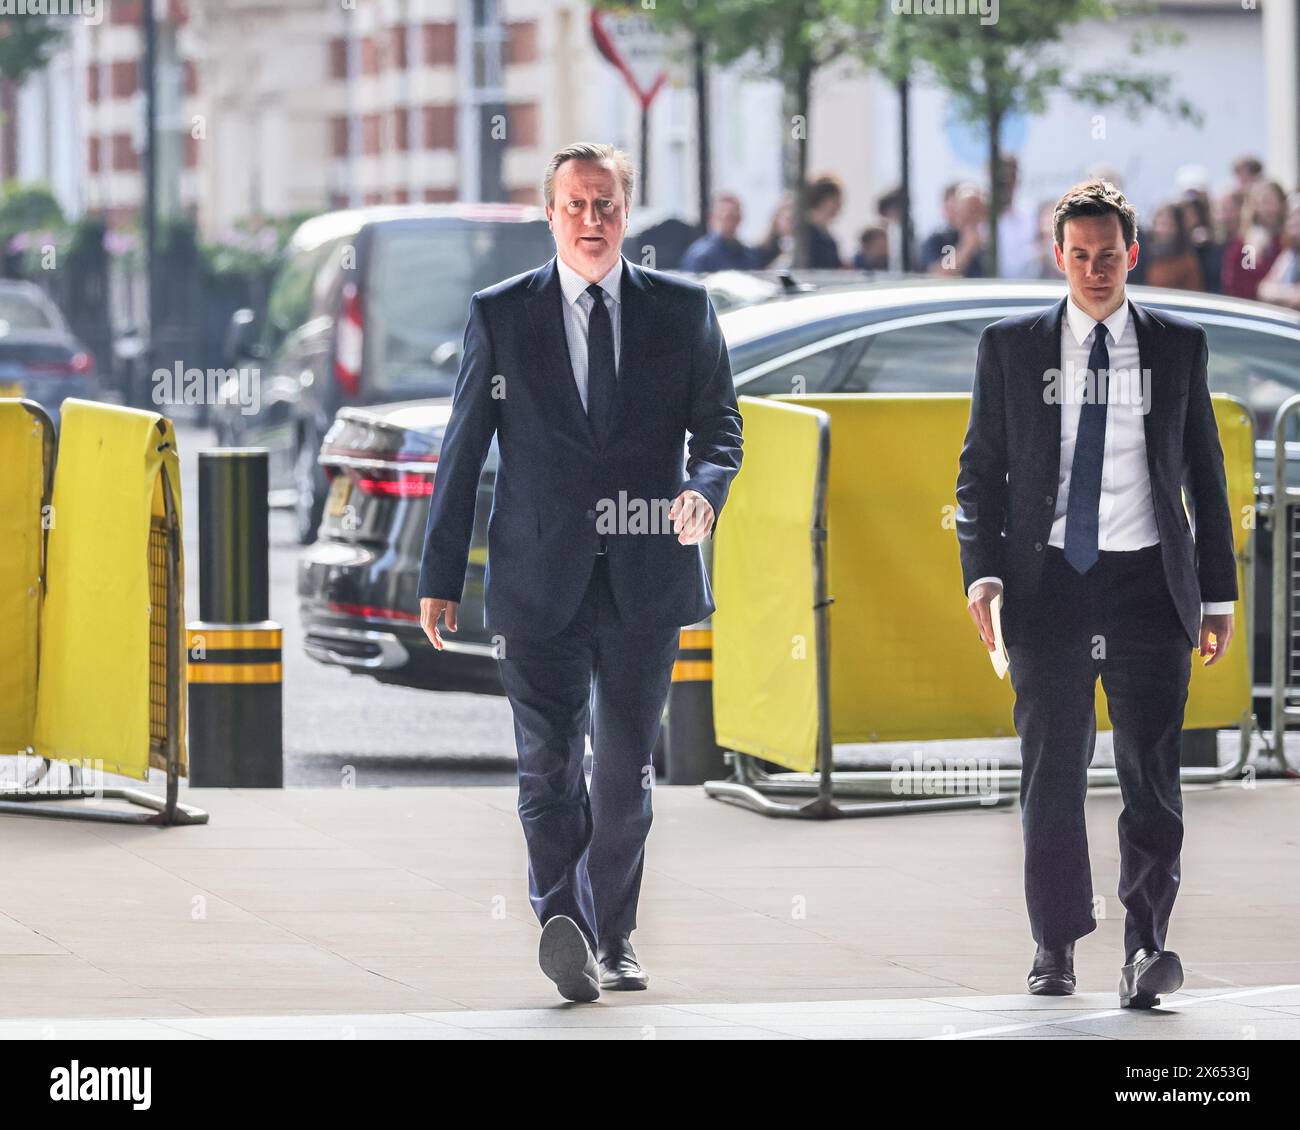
(78,365)
(372,611)
(395,484)
(349,339)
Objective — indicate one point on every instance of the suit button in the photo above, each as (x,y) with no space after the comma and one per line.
(1038,547)
(1049,500)
(591,513)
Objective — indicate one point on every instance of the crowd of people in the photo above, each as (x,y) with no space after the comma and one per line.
(1243,241)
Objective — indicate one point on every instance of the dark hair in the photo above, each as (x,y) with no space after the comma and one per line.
(1181,242)
(1251,166)
(821,189)
(889,200)
(1095,198)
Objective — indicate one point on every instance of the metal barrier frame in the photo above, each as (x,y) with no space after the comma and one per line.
(1285,500)
(754,788)
(161,811)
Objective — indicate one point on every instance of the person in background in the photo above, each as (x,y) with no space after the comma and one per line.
(719,249)
(1046,243)
(1247,171)
(873,249)
(823,198)
(889,206)
(934,243)
(1249,257)
(1017,227)
(1282,283)
(1171,260)
(1195,211)
(965,254)
(1227,215)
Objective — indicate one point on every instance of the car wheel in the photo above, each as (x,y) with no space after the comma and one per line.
(309,479)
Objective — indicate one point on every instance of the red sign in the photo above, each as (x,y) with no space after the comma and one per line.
(630,42)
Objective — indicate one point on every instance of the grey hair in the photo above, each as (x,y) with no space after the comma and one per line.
(590,151)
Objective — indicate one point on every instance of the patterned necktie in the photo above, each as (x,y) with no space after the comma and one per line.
(601,379)
(1081,512)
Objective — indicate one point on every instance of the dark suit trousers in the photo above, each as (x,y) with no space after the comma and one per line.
(586,850)
(1117,621)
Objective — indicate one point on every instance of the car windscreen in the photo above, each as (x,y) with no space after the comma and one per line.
(419,284)
(20,312)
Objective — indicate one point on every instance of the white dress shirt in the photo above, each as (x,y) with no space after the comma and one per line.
(1126,518)
(577,314)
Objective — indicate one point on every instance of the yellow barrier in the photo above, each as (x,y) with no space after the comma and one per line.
(102,627)
(906,661)
(25,454)
(764,653)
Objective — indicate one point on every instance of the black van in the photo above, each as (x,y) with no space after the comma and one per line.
(368,307)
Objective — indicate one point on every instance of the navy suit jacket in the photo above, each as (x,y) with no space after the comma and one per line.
(1010,462)
(554,480)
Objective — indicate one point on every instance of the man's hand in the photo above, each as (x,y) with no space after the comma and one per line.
(1219,626)
(981,597)
(430,611)
(692,517)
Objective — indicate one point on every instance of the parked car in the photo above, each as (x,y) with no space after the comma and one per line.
(357,584)
(40,358)
(367,307)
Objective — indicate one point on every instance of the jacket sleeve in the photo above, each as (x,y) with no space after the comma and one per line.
(982,477)
(714,450)
(465,447)
(1206,486)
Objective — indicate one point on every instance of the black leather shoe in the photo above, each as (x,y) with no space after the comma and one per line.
(1148,973)
(619,968)
(566,958)
(1052,974)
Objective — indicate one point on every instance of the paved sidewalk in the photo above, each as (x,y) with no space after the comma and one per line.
(383,912)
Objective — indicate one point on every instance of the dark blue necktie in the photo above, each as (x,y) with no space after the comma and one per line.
(601,378)
(1081,512)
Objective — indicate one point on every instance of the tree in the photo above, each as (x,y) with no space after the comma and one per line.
(786,40)
(26,45)
(991,71)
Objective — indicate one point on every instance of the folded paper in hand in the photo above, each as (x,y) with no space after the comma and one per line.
(998,655)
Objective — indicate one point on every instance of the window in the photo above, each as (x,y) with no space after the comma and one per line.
(1260,368)
(811,374)
(21,312)
(290,302)
(414,328)
(938,357)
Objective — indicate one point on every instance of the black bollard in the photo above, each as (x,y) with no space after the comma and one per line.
(691,754)
(234,659)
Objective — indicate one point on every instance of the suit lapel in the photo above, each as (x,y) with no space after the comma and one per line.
(636,301)
(1148,359)
(545,306)
(1045,358)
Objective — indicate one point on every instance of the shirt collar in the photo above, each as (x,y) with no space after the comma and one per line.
(1082,323)
(574,285)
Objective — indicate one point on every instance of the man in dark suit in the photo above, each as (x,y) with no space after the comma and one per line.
(1087,421)
(590,371)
